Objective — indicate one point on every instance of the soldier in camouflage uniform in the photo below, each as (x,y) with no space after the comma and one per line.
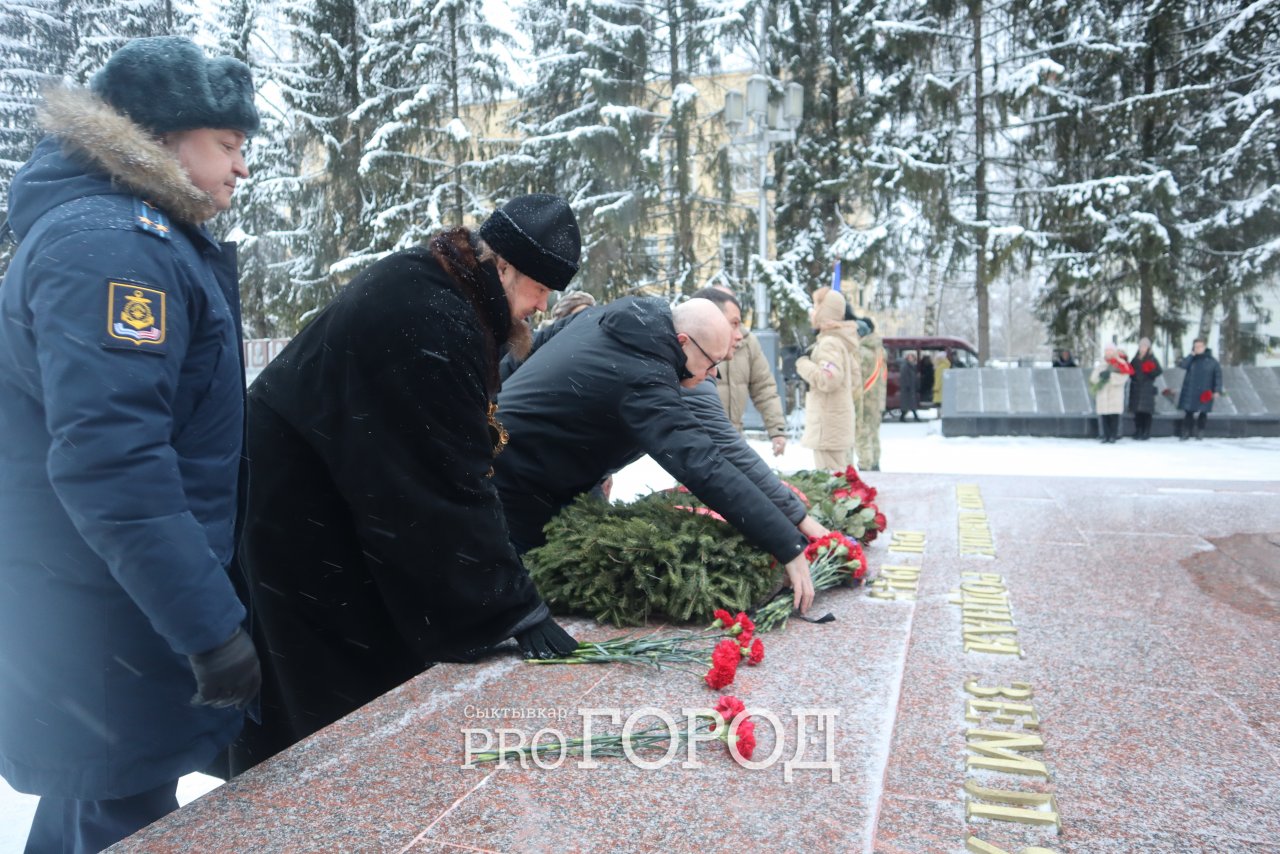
(869,399)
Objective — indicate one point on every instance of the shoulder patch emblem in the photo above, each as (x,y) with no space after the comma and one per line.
(135,314)
(152,220)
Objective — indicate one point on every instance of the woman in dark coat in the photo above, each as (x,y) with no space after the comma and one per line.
(374,540)
(908,387)
(1142,389)
(926,379)
(1202,381)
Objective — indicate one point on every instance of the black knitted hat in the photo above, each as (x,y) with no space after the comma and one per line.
(538,235)
(167,84)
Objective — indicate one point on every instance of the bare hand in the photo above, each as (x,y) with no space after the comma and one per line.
(801,583)
(606,486)
(812,528)
(779,445)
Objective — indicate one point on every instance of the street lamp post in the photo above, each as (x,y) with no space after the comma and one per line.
(775,120)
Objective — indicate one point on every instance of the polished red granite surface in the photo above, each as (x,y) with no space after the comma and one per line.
(1148,619)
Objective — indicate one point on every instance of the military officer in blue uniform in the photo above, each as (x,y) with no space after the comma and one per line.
(123,662)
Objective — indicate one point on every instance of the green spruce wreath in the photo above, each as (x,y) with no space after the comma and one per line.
(625,564)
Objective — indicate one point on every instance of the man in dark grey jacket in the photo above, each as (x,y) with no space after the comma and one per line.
(604,392)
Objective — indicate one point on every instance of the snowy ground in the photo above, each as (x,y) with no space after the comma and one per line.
(921,448)
(906,447)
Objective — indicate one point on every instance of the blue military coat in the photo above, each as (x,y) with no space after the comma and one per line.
(121,417)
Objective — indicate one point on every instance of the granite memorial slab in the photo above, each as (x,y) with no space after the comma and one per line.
(1043,664)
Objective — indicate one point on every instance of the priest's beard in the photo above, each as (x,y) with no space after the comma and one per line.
(520,339)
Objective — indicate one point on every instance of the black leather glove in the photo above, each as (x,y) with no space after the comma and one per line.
(227,675)
(546,640)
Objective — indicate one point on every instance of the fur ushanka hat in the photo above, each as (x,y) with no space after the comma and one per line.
(167,84)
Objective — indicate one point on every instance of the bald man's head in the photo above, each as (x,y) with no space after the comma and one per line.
(704,334)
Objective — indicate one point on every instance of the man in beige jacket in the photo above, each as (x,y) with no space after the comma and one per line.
(748,374)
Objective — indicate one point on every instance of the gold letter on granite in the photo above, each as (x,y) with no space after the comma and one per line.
(998,751)
(1018,691)
(1005,713)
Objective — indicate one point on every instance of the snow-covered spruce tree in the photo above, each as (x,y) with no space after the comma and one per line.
(36,44)
(586,126)
(103,26)
(432,78)
(260,217)
(1164,135)
(930,140)
(319,81)
(1231,190)
(613,121)
(689,35)
(1111,139)
(827,48)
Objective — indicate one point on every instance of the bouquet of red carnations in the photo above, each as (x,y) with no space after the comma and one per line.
(680,650)
(833,560)
(842,501)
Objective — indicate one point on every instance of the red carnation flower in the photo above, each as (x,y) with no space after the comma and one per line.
(746,738)
(722,619)
(729,708)
(1148,367)
(1206,396)
(748,627)
(724,664)
(880,521)
(757,652)
(720,677)
(726,654)
(863,493)
(841,493)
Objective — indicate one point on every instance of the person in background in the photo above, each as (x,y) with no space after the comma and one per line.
(749,374)
(1063,359)
(123,664)
(926,379)
(1142,389)
(869,405)
(374,539)
(940,367)
(833,371)
(704,403)
(908,387)
(1200,384)
(567,305)
(1108,383)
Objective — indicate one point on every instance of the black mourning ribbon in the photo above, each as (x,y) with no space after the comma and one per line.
(786,591)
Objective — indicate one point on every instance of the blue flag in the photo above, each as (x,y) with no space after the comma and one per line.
(835,278)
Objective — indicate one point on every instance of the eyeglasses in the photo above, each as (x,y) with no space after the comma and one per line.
(715,363)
